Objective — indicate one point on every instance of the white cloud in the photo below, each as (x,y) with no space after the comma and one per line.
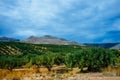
(38,12)
(26,32)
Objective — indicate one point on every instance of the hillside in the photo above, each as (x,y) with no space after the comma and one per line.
(48,39)
(7,39)
(25,48)
(116,47)
(104,45)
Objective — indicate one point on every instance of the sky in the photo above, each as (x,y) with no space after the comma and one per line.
(90,21)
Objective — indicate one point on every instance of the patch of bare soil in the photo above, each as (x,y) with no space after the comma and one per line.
(92,76)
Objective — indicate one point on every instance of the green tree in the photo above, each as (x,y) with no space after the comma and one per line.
(47,60)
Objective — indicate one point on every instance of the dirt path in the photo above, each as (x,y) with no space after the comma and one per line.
(90,77)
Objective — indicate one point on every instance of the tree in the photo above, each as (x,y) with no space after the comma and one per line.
(70,61)
(47,60)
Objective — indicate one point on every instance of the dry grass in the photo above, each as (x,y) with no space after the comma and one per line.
(15,74)
(111,71)
(57,73)
(10,74)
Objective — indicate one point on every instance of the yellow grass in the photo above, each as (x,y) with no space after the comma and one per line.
(57,73)
(111,71)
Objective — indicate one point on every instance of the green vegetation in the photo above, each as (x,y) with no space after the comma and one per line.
(24,48)
(92,58)
(19,55)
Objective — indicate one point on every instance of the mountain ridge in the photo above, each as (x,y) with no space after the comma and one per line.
(48,39)
(7,39)
(104,45)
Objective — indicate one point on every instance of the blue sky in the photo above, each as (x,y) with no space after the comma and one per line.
(76,20)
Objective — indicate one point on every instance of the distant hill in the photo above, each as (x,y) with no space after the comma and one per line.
(7,39)
(116,47)
(48,39)
(104,45)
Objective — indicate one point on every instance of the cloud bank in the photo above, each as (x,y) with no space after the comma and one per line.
(79,20)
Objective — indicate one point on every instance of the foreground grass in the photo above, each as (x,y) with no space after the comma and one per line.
(58,73)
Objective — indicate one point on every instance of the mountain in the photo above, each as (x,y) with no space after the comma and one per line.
(7,39)
(48,39)
(104,45)
(116,47)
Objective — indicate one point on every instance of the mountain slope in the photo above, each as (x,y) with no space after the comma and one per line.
(7,39)
(116,47)
(104,45)
(47,39)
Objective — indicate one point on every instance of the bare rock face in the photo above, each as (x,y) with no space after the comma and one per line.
(48,39)
(6,39)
